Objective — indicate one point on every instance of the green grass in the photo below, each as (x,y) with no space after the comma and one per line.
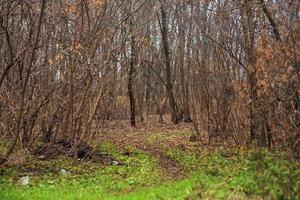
(160,138)
(235,174)
(230,174)
(3,145)
(83,181)
(189,160)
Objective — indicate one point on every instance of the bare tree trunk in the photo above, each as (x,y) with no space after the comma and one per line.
(164,34)
(131,78)
(257,125)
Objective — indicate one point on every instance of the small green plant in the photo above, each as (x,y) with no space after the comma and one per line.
(275,176)
(187,159)
(3,145)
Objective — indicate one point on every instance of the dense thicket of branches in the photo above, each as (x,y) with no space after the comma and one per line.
(230,67)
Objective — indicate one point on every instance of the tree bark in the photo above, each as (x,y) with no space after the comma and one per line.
(168,71)
(131,79)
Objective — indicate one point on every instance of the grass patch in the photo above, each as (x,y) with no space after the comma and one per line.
(3,145)
(83,181)
(233,174)
(188,160)
(159,138)
(230,174)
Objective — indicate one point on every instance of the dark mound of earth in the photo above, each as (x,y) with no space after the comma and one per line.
(63,148)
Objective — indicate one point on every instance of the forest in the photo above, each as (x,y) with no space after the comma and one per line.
(149,99)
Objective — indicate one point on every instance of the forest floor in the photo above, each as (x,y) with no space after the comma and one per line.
(155,162)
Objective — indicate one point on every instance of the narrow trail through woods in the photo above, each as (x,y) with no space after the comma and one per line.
(172,168)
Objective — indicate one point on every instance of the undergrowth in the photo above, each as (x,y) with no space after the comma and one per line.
(225,174)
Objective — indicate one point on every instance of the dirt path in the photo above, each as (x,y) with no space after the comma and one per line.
(171,167)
